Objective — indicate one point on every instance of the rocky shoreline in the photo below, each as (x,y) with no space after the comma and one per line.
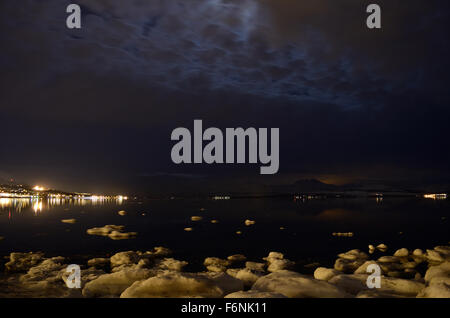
(154,273)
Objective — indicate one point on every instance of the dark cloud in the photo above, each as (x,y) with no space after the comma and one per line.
(99,103)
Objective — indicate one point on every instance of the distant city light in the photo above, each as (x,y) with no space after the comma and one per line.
(38,188)
(435,196)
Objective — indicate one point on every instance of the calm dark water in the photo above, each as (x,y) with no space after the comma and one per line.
(397,222)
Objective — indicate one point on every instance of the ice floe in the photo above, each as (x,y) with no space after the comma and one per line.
(69,221)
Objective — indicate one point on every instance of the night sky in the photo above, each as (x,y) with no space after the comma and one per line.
(93,109)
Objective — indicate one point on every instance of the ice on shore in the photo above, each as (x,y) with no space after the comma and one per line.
(363,268)
(114,232)
(153,274)
(295,285)
(215,264)
(98,262)
(129,258)
(418,252)
(322,273)
(355,283)
(438,274)
(175,284)
(69,221)
(403,252)
(170,264)
(255,266)
(113,284)
(438,290)
(350,283)
(350,261)
(246,275)
(19,262)
(276,262)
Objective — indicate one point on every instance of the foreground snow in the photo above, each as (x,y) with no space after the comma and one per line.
(135,274)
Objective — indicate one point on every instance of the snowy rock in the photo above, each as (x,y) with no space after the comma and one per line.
(160,251)
(403,252)
(358,282)
(434,256)
(279,265)
(388,259)
(399,286)
(438,290)
(255,266)
(354,255)
(363,268)
(98,262)
(349,261)
(352,284)
(347,266)
(322,273)
(86,275)
(125,258)
(247,276)
(215,264)
(254,294)
(112,285)
(19,262)
(295,285)
(443,250)
(273,255)
(134,257)
(409,265)
(44,270)
(277,262)
(171,264)
(438,274)
(174,284)
(417,252)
